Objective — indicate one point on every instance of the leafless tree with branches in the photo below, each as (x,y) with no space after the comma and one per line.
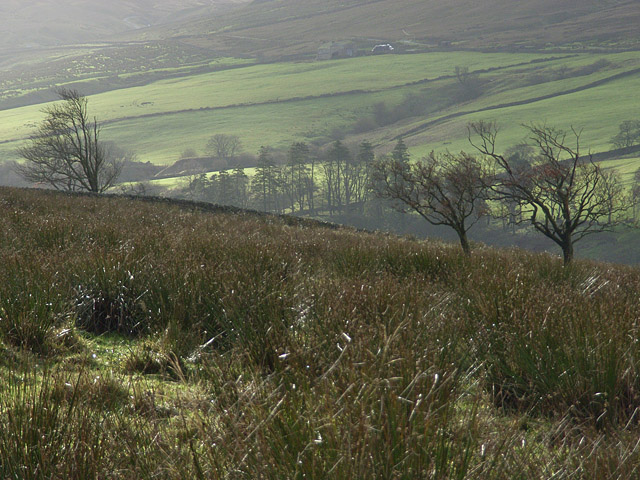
(444,189)
(224,147)
(66,152)
(561,193)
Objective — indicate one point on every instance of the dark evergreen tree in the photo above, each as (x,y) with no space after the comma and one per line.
(400,152)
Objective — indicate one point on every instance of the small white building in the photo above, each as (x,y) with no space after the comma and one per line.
(382,48)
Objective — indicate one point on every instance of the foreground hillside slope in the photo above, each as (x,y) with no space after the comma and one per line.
(232,345)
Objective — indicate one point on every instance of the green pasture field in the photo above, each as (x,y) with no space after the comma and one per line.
(627,167)
(163,138)
(276,104)
(285,81)
(597,111)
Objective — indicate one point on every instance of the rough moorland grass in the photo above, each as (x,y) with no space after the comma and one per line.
(263,349)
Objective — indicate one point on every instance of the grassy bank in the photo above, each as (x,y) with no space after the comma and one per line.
(184,344)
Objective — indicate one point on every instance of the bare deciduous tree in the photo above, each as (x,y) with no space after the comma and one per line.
(561,193)
(66,152)
(224,147)
(444,189)
(469,84)
(628,134)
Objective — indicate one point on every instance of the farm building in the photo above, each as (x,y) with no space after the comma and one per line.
(332,50)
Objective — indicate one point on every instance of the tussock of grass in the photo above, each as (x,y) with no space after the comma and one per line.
(266,349)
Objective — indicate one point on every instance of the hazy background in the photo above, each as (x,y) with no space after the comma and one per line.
(38,23)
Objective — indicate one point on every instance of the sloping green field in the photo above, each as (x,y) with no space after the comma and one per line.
(598,111)
(276,104)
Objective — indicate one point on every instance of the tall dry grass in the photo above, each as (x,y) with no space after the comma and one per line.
(254,347)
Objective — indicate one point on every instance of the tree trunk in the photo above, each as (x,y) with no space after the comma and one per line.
(464,243)
(567,252)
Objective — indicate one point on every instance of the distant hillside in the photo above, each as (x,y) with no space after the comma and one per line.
(287,27)
(38,23)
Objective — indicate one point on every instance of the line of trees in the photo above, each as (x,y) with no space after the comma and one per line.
(308,181)
(548,184)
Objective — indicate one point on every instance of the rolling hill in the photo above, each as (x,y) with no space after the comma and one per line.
(274,28)
(277,27)
(37,23)
(166,88)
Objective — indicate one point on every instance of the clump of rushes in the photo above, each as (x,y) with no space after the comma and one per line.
(48,431)
(148,359)
(112,301)
(564,347)
(31,310)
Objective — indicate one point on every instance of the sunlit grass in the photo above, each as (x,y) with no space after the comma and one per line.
(163,118)
(610,101)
